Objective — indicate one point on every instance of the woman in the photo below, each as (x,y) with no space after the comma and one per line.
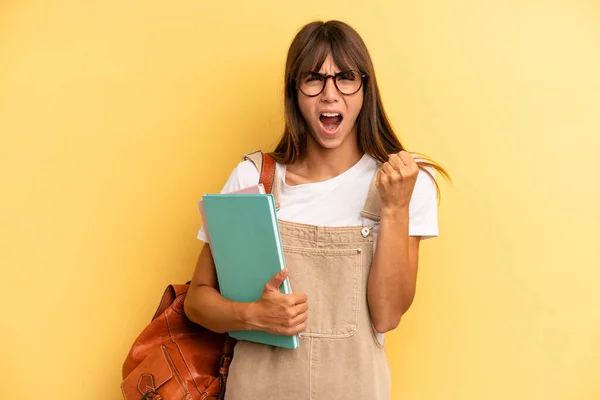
(347,186)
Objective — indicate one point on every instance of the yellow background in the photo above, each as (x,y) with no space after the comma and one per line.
(115,117)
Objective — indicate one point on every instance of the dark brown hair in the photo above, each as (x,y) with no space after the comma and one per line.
(309,49)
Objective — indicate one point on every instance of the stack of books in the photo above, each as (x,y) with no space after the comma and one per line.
(245,241)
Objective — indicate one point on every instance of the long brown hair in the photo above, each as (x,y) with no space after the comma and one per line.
(309,49)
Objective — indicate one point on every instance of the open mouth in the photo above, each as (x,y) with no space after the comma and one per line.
(331,121)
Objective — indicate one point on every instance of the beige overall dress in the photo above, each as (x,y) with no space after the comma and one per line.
(339,357)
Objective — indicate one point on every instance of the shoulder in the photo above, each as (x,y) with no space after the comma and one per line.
(425,187)
(423,205)
(246,174)
(247,170)
(426,176)
(242,176)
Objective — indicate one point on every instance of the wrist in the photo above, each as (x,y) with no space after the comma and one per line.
(245,315)
(395,213)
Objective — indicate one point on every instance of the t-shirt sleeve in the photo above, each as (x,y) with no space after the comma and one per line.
(242,177)
(423,212)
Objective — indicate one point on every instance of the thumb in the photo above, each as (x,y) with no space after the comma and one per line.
(277,280)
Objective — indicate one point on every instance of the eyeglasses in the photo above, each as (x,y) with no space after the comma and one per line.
(346,82)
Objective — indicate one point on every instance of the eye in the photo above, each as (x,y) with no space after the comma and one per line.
(311,77)
(348,76)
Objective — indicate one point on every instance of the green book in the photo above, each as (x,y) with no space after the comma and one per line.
(247,251)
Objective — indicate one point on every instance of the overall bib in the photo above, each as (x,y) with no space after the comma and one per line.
(339,357)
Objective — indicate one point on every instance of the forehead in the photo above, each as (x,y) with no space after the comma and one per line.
(327,57)
(329,65)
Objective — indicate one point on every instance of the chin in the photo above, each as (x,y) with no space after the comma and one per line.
(329,142)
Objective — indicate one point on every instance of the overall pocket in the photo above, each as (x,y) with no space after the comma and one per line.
(331,278)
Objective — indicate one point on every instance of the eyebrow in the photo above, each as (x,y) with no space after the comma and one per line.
(335,73)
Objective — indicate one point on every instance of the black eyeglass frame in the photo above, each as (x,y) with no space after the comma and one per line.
(363,76)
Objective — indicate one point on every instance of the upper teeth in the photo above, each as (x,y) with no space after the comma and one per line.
(330,114)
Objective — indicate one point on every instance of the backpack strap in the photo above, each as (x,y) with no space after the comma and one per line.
(266,166)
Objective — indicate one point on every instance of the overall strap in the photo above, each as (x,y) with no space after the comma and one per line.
(372,207)
(266,166)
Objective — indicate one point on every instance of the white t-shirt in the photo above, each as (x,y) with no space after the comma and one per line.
(339,201)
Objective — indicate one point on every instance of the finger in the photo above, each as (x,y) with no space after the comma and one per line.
(295,310)
(387,168)
(407,159)
(390,173)
(382,178)
(300,309)
(299,298)
(276,280)
(297,320)
(396,162)
(294,330)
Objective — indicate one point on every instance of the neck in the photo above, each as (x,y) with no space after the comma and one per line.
(322,163)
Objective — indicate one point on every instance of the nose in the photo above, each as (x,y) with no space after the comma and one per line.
(330,93)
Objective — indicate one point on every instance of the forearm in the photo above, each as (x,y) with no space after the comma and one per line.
(205,306)
(391,286)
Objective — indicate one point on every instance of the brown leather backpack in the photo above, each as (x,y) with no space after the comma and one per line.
(174,358)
